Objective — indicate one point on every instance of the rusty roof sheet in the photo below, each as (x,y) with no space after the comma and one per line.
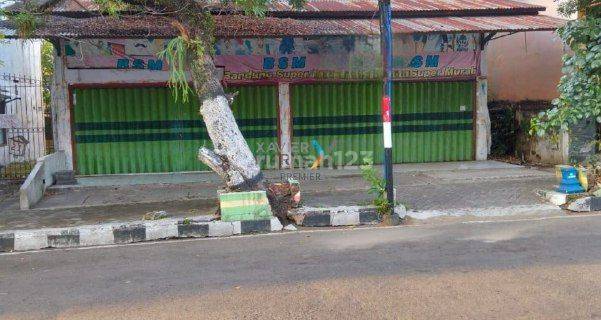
(161,27)
(318,8)
(406,5)
(451,24)
(230,26)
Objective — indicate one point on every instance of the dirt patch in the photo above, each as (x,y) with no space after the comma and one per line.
(9,196)
(8,189)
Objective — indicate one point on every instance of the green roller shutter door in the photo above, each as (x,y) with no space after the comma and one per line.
(341,117)
(433,121)
(136,130)
(256,112)
(143,130)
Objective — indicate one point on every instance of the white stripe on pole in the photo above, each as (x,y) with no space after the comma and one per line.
(387,135)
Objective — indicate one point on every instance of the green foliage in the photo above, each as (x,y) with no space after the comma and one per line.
(111,7)
(26,23)
(259,7)
(377,187)
(26,19)
(580,86)
(253,7)
(176,54)
(47,71)
(2,17)
(571,7)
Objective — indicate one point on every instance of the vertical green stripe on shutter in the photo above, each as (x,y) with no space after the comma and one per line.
(256,111)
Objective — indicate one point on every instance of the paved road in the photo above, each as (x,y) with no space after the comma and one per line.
(540,268)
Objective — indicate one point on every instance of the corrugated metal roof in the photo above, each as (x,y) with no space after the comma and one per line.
(451,24)
(229,26)
(405,5)
(160,26)
(317,8)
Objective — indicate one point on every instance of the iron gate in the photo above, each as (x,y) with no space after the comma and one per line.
(22,133)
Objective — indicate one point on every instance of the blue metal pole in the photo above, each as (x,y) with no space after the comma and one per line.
(386,48)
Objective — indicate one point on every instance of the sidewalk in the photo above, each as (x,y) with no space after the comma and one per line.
(434,188)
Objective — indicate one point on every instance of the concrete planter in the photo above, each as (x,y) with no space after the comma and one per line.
(244,206)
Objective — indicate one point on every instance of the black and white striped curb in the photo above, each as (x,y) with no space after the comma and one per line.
(338,216)
(120,233)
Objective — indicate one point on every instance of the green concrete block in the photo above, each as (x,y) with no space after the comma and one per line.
(244,206)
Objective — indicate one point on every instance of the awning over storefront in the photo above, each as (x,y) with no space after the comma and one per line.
(453,24)
(81,19)
(229,26)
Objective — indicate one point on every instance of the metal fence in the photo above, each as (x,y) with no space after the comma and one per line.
(22,128)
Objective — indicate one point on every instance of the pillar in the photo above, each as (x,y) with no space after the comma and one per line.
(285,125)
(61,115)
(483,134)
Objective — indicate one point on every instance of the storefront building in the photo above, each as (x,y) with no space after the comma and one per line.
(294,92)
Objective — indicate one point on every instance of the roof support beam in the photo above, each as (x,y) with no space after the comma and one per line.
(485,38)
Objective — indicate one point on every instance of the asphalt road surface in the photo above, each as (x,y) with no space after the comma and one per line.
(539,268)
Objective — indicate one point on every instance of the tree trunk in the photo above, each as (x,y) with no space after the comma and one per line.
(231,157)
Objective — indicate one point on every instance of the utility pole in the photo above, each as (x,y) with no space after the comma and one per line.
(386,49)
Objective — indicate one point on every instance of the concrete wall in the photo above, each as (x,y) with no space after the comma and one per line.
(40,178)
(21,77)
(527,65)
(524,69)
(541,150)
(21,58)
(511,134)
(583,140)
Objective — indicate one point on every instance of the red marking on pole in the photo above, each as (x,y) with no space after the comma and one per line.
(386,109)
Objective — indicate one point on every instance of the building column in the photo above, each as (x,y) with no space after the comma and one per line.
(285,125)
(483,134)
(61,115)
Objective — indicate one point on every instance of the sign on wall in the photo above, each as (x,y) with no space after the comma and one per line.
(290,59)
(115,54)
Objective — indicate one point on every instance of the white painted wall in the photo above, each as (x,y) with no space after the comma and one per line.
(21,59)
